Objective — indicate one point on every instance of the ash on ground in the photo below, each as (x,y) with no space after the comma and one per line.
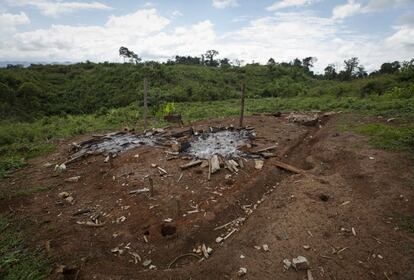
(225,143)
(114,143)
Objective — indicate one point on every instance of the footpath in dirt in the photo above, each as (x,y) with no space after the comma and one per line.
(286,197)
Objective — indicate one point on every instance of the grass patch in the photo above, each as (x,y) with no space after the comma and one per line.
(389,137)
(16,261)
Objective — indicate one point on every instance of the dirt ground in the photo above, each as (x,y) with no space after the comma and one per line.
(341,214)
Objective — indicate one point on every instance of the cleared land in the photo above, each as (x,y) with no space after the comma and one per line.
(349,213)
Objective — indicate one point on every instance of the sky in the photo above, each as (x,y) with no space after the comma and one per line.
(376,31)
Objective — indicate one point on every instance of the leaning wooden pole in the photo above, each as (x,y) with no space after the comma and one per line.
(145,102)
(242,88)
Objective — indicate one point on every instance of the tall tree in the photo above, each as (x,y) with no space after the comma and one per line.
(330,72)
(210,54)
(130,55)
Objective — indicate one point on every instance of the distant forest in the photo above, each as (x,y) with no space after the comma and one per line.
(28,93)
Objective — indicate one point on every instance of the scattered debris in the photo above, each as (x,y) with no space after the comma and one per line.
(74,179)
(353,231)
(303,119)
(146,263)
(242,271)
(60,168)
(300,263)
(288,167)
(90,224)
(215,164)
(258,164)
(191,164)
(138,191)
(287,264)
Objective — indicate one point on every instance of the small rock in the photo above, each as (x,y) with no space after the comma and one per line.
(257,247)
(60,168)
(63,194)
(73,179)
(116,250)
(300,263)
(219,239)
(265,247)
(371,158)
(69,199)
(306,247)
(287,264)
(242,271)
(242,256)
(146,263)
(107,159)
(153,165)
(258,164)
(168,220)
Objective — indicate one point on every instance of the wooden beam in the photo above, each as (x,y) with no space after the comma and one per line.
(241,104)
(145,102)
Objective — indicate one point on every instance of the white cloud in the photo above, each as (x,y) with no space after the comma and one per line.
(9,22)
(55,8)
(176,14)
(288,3)
(378,5)
(143,31)
(222,4)
(349,9)
(283,36)
(353,7)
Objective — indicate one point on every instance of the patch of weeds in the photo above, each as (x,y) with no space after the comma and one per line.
(406,222)
(11,193)
(8,164)
(16,261)
(389,137)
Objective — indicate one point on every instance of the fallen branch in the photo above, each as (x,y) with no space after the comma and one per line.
(266,149)
(138,191)
(90,224)
(191,164)
(182,256)
(288,167)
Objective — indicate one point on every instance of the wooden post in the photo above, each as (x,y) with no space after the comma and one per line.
(241,104)
(145,102)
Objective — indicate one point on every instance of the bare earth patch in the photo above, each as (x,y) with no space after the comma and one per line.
(340,213)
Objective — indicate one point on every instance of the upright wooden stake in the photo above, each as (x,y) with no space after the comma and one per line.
(241,104)
(145,102)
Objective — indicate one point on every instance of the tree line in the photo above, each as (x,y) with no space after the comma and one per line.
(45,90)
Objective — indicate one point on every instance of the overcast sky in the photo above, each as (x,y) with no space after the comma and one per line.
(332,30)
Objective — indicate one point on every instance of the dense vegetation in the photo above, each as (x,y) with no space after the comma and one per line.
(46,90)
